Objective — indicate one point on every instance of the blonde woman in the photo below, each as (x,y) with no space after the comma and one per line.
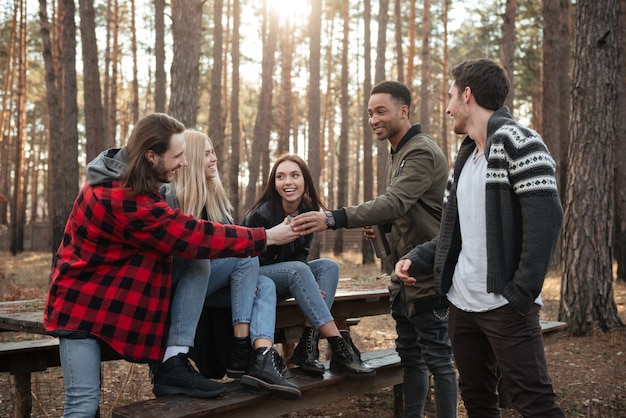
(197,190)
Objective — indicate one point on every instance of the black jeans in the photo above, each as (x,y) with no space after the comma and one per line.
(502,342)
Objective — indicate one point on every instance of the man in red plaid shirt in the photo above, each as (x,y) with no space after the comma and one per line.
(111,277)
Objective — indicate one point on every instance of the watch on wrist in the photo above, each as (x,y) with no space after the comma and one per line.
(330,220)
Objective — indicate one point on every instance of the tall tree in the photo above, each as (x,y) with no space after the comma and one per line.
(262,124)
(444,81)
(314,98)
(235,122)
(286,95)
(619,235)
(379,75)
(425,71)
(564,91)
(410,66)
(160,78)
(367,252)
(134,107)
(343,173)
(551,73)
(92,94)
(508,46)
(62,161)
(5,166)
(18,203)
(314,102)
(216,125)
(398,17)
(185,73)
(587,301)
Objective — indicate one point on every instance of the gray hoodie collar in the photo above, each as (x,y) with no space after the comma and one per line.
(109,165)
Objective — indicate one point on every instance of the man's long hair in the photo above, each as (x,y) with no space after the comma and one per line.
(153,132)
(194,190)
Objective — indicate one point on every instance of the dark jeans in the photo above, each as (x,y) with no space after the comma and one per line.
(423,346)
(505,341)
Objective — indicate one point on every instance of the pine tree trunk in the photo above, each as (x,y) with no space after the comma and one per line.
(587,300)
(187,35)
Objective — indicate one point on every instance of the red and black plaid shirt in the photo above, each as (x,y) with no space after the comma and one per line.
(111,277)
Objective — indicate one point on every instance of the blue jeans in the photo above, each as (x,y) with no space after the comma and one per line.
(424,346)
(190,282)
(80,362)
(304,281)
(252,296)
(200,282)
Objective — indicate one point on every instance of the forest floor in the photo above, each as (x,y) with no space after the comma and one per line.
(589,373)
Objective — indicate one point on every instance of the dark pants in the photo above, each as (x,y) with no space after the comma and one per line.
(423,346)
(506,341)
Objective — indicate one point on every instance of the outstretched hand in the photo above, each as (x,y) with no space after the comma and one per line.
(402,272)
(281,234)
(309,222)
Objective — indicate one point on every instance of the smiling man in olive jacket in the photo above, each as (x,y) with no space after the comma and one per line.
(410,211)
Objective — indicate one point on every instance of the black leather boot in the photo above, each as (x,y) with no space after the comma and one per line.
(266,372)
(307,353)
(347,358)
(240,357)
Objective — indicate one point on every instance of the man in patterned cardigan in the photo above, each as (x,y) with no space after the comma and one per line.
(499,228)
(111,276)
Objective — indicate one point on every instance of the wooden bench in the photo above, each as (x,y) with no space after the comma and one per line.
(21,358)
(242,402)
(24,357)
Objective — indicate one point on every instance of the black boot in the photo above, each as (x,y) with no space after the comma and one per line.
(347,358)
(307,352)
(266,373)
(240,357)
(176,376)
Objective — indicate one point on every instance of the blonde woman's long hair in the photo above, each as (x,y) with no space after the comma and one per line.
(194,191)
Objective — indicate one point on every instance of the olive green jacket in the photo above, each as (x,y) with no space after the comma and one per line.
(410,209)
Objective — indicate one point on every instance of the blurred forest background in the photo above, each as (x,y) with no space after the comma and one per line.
(265,77)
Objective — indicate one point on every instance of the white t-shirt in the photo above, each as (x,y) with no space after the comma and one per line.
(469,283)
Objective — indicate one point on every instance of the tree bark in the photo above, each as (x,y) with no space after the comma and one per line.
(619,234)
(18,202)
(262,124)
(425,73)
(160,77)
(5,166)
(344,159)
(286,95)
(57,215)
(235,122)
(187,34)
(398,17)
(134,107)
(587,300)
(216,126)
(508,47)
(92,94)
(367,253)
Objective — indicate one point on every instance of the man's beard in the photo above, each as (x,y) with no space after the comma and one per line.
(160,173)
